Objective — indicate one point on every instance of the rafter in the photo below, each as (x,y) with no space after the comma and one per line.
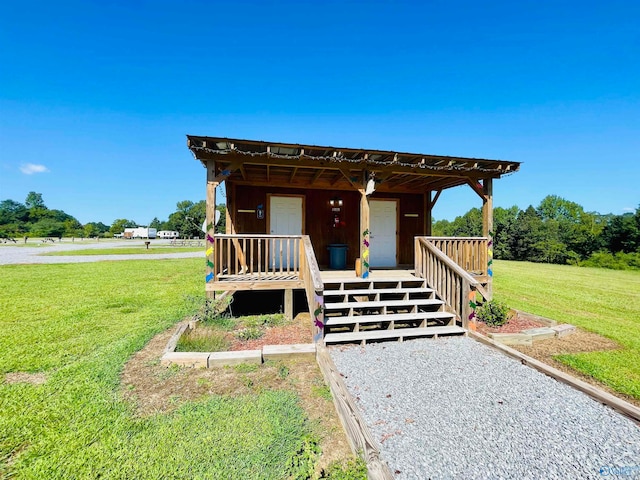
(317,175)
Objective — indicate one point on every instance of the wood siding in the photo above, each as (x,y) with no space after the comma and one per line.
(319,218)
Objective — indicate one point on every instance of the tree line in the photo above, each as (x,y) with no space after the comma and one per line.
(556,231)
(34,219)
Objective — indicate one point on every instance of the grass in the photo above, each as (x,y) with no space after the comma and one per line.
(78,324)
(211,335)
(606,302)
(123,251)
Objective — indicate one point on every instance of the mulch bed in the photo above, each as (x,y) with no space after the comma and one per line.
(515,325)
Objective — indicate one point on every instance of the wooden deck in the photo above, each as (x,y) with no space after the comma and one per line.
(377,275)
(255,281)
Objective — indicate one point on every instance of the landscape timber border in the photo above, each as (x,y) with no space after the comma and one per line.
(621,406)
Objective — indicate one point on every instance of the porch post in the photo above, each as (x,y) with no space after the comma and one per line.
(487,228)
(364,233)
(210,222)
(230,227)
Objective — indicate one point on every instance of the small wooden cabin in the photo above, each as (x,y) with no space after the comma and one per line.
(294,211)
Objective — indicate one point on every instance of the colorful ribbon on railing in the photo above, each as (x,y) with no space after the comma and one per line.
(209,254)
(317,318)
(472,304)
(365,253)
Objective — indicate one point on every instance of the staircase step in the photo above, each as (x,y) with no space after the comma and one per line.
(384,303)
(400,333)
(373,291)
(391,317)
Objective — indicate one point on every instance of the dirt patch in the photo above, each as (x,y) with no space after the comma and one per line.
(299,331)
(22,377)
(153,389)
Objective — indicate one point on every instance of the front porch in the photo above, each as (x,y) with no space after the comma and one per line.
(436,296)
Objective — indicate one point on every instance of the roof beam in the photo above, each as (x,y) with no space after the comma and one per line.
(317,175)
(347,174)
(476,187)
(225,172)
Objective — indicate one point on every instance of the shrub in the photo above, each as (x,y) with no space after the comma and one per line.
(618,261)
(355,469)
(250,333)
(493,313)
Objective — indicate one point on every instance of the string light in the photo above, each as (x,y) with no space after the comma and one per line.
(339,158)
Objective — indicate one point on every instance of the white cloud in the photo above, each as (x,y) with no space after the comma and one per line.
(628,209)
(31,168)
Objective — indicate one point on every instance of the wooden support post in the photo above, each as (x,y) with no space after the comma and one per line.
(230,226)
(364,233)
(487,229)
(210,216)
(288,303)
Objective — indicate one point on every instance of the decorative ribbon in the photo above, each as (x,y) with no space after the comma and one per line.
(365,253)
(316,321)
(490,254)
(209,277)
(209,264)
(209,238)
(472,304)
(209,251)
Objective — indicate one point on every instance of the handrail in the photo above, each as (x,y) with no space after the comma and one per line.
(456,287)
(471,253)
(313,286)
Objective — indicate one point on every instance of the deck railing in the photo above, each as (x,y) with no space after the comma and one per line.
(313,286)
(261,255)
(456,287)
(471,253)
(255,257)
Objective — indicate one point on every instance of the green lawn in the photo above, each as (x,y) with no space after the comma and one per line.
(78,324)
(606,302)
(125,251)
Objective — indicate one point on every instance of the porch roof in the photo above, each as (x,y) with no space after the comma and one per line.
(254,162)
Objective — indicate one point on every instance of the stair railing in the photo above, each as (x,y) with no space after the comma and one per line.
(455,286)
(313,286)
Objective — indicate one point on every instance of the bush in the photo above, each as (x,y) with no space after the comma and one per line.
(250,333)
(618,261)
(493,313)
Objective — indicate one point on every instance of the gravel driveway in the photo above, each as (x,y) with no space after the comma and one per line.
(33,254)
(454,408)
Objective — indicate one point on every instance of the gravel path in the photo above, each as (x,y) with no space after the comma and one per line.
(454,408)
(33,254)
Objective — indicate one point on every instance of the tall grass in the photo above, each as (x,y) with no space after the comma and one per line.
(606,302)
(78,324)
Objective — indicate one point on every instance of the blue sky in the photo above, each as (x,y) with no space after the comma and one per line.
(96,97)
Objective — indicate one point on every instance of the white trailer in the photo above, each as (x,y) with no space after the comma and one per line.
(140,232)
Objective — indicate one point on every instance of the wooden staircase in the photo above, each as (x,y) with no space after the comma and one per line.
(361,310)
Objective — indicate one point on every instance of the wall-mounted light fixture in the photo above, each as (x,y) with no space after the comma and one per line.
(335,202)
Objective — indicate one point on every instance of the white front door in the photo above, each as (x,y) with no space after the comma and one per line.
(383,226)
(285,218)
